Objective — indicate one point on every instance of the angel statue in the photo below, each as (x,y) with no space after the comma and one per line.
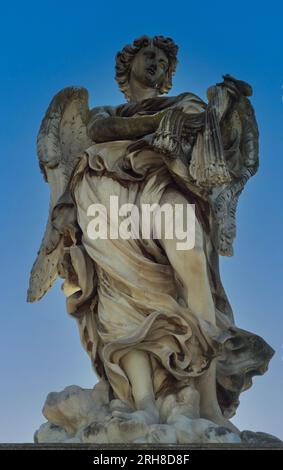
(155,320)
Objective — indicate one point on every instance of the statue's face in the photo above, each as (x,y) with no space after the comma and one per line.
(149,66)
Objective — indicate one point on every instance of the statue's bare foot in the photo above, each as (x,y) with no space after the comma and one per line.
(148,416)
(219,419)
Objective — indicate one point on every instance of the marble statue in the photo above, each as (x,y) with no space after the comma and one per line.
(155,321)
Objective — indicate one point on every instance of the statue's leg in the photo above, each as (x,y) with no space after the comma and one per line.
(190,267)
(138,369)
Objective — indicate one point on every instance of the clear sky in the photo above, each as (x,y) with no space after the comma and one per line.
(48,45)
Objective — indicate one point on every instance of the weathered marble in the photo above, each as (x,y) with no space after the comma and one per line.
(154,319)
(77,415)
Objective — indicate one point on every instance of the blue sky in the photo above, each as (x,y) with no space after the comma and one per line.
(49,45)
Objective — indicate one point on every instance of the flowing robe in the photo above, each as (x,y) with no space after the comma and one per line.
(126,296)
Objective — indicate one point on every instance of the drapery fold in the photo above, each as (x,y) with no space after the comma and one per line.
(126,295)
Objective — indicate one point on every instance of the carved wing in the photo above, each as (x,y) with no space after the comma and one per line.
(240,142)
(62,138)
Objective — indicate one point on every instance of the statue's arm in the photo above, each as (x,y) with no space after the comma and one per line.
(103,126)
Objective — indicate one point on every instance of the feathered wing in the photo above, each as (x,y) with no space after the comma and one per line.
(240,141)
(62,138)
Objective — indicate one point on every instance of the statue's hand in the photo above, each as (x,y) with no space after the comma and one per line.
(192,124)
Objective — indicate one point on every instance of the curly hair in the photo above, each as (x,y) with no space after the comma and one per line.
(125,57)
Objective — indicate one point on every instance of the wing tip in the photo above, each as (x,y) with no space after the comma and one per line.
(30,297)
(33,296)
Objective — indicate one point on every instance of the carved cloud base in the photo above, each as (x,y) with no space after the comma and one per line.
(78,415)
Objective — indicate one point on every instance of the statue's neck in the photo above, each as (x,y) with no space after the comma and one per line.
(138,92)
